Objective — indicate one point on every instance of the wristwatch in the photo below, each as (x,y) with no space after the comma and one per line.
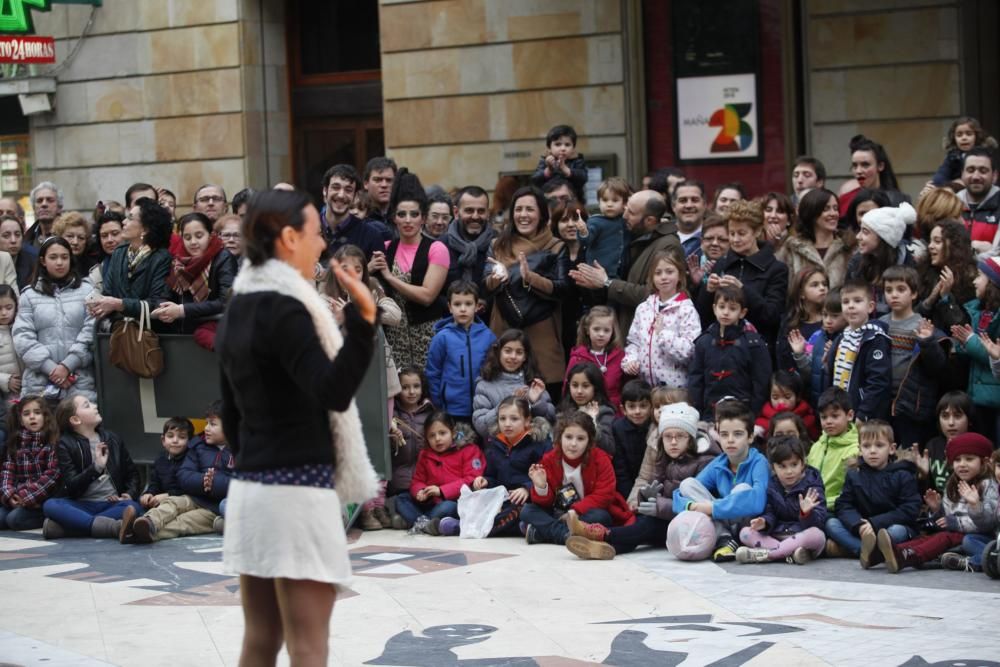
(607,283)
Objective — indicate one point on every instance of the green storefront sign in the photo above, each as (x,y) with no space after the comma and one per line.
(15,15)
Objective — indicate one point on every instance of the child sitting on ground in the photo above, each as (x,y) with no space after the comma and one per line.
(955,416)
(585,392)
(560,159)
(99,479)
(791,424)
(163,482)
(680,454)
(630,432)
(406,437)
(444,465)
(791,527)
(967,510)
(574,475)
(879,494)
(204,477)
(509,370)
(31,464)
(837,447)
(733,487)
(11,366)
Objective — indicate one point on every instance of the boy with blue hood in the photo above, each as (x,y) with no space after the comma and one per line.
(456,353)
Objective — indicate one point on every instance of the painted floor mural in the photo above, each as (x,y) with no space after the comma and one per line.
(437,602)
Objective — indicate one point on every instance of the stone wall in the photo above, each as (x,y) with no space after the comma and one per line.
(471,87)
(888,69)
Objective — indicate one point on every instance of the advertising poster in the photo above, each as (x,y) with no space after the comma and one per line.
(717,118)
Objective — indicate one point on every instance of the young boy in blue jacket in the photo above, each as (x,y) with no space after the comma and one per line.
(204,478)
(733,488)
(457,351)
(860,358)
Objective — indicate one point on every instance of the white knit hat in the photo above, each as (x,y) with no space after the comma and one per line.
(679,415)
(890,223)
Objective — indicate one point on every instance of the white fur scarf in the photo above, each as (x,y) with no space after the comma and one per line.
(355,479)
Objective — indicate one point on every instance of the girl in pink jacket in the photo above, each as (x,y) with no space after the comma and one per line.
(661,338)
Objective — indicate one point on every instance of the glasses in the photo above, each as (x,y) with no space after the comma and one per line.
(715,240)
(229,235)
(675,438)
(554,201)
(210,199)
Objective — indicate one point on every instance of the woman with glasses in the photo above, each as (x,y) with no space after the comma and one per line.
(413,270)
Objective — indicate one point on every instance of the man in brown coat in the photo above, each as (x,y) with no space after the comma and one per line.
(649,235)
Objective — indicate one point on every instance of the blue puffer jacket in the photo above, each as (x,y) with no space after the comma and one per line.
(883,497)
(782,513)
(719,479)
(870,385)
(508,466)
(163,475)
(200,457)
(983,387)
(736,364)
(453,362)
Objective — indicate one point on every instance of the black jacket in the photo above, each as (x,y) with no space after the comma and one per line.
(919,391)
(163,475)
(882,497)
(25,264)
(369,235)
(508,467)
(765,286)
(76,465)
(870,386)
(630,447)
(278,383)
(737,364)
(221,275)
(199,458)
(148,282)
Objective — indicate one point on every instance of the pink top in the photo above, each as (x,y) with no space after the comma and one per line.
(438,254)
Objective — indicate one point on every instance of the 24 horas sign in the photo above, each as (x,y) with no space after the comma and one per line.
(17,42)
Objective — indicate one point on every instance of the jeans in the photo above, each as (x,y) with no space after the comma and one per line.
(20,518)
(76,516)
(973,545)
(411,510)
(842,535)
(548,528)
(222,507)
(645,530)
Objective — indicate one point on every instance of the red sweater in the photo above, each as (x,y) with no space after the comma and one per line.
(599,490)
(613,376)
(448,470)
(802,409)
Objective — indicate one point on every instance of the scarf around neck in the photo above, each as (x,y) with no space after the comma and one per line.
(355,480)
(30,440)
(542,240)
(468,251)
(135,257)
(190,274)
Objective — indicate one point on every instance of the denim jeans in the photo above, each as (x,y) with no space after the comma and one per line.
(76,516)
(842,535)
(548,527)
(20,518)
(411,510)
(973,545)
(222,507)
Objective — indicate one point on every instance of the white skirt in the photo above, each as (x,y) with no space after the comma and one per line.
(281,531)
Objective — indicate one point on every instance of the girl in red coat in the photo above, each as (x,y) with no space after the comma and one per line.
(599,342)
(786,396)
(574,475)
(443,466)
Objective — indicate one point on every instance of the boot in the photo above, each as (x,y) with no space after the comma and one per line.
(367,521)
(219,525)
(834,550)
(870,555)
(144,530)
(52,530)
(896,558)
(104,526)
(586,549)
(591,531)
(125,533)
(382,515)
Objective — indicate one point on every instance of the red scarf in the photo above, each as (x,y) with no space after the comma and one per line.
(190,274)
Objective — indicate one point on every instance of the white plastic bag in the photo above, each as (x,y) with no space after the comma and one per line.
(478,509)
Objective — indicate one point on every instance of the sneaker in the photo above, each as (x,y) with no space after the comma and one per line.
(725,550)
(433,527)
(586,549)
(800,556)
(52,530)
(383,516)
(531,535)
(420,525)
(449,526)
(953,561)
(219,525)
(870,554)
(892,559)
(367,521)
(126,535)
(143,529)
(748,555)
(834,550)
(399,523)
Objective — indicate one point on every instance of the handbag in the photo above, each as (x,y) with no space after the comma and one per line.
(519,305)
(134,347)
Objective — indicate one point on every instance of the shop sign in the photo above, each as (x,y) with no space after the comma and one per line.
(27,49)
(717,117)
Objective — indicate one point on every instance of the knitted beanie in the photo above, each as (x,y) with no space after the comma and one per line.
(679,415)
(890,223)
(968,443)
(990,266)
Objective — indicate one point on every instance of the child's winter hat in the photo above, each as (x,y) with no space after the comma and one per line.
(990,266)
(968,443)
(679,415)
(890,223)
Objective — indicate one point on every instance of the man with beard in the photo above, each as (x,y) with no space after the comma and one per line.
(980,198)
(688,202)
(469,235)
(47,204)
(340,228)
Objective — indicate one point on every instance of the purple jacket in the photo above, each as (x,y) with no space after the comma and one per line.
(782,512)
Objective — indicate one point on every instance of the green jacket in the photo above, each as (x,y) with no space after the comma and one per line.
(148,282)
(829,455)
(984,389)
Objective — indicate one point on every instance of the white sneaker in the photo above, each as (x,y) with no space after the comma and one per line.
(748,555)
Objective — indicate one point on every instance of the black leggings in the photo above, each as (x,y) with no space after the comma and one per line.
(645,530)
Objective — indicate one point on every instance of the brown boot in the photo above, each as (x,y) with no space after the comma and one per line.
(895,558)
(125,533)
(586,549)
(870,555)
(382,514)
(367,521)
(834,550)
(591,531)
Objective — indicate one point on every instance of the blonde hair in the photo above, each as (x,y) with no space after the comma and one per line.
(68,220)
(937,205)
(873,429)
(746,211)
(583,337)
(661,396)
(676,259)
(224,220)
